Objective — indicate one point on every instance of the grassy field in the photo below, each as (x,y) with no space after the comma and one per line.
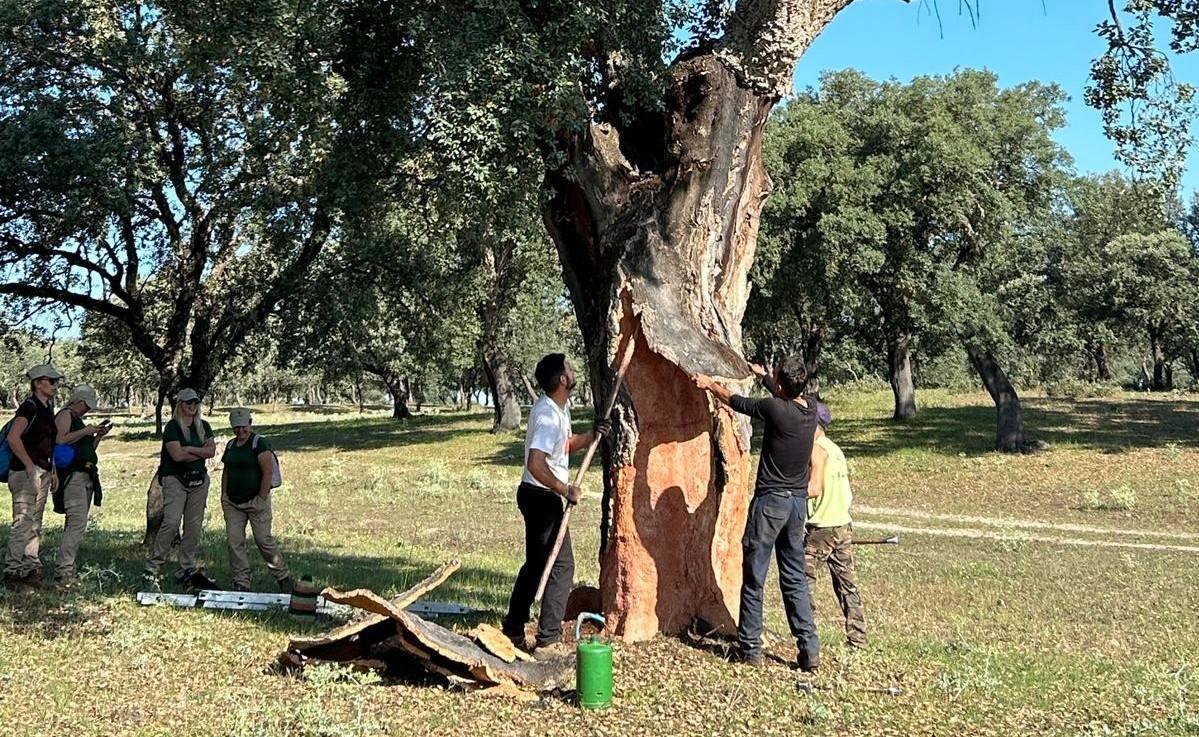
(1054,593)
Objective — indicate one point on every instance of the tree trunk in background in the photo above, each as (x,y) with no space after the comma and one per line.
(529,389)
(1099,354)
(505,406)
(1156,334)
(811,357)
(397,389)
(1009,419)
(163,388)
(655,218)
(899,373)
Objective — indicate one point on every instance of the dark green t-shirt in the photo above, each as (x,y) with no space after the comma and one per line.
(242,469)
(172,433)
(85,447)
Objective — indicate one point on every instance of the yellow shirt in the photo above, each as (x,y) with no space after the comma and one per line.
(831,508)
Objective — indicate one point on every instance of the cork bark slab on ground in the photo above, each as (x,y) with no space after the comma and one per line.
(443,651)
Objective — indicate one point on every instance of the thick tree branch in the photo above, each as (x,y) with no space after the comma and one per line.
(765,38)
(65,296)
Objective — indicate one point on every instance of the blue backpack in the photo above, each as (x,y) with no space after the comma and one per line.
(5,450)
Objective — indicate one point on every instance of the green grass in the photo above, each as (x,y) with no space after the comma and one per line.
(995,633)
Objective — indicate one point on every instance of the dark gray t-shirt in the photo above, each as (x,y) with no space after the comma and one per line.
(786,458)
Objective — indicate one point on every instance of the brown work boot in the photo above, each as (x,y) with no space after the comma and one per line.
(286,585)
(517,637)
(807,663)
(753,659)
(552,651)
(35,579)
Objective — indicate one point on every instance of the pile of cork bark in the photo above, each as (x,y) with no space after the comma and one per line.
(393,642)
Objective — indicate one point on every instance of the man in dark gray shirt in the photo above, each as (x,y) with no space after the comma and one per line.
(778,510)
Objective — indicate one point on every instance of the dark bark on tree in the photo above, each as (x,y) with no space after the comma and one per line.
(397,388)
(899,373)
(163,389)
(1009,418)
(655,218)
(505,406)
(1158,352)
(811,357)
(1099,356)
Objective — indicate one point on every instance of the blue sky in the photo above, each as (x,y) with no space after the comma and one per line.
(1019,40)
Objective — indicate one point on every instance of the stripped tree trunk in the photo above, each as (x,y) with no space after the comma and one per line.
(655,218)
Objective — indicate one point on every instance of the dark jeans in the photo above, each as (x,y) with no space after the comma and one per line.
(776,522)
(542,510)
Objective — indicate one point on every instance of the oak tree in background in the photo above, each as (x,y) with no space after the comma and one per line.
(169,165)
(891,192)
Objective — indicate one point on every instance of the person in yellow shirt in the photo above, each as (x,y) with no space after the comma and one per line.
(830,528)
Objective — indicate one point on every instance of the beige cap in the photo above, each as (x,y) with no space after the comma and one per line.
(43,371)
(187,395)
(239,417)
(86,394)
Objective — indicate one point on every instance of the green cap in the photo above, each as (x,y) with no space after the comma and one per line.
(239,417)
(187,395)
(43,371)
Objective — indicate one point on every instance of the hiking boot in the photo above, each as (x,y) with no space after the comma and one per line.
(806,663)
(240,587)
(200,581)
(857,644)
(13,581)
(64,582)
(35,579)
(752,659)
(517,638)
(285,585)
(552,651)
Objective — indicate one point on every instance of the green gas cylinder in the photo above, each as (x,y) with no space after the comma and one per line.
(593,677)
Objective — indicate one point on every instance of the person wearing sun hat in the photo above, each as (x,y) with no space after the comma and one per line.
(79,478)
(31,477)
(246,498)
(187,442)
(830,528)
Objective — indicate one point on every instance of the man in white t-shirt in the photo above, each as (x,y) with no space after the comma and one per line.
(543,487)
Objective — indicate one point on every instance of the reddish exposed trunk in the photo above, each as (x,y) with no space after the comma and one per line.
(662,237)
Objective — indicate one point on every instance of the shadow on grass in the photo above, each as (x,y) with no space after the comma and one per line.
(111,567)
(356,432)
(1105,425)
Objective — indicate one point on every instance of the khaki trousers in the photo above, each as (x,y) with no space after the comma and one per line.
(30,489)
(179,503)
(77,498)
(257,512)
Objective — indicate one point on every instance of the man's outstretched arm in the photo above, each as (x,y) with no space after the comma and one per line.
(710,385)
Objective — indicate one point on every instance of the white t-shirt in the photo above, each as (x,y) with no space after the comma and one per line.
(548,431)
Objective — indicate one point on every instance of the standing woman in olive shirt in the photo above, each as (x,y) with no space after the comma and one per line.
(246,497)
(187,442)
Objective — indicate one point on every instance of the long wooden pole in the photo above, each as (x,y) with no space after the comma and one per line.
(625,359)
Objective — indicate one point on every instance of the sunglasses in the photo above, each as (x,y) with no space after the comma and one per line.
(192,402)
(47,378)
